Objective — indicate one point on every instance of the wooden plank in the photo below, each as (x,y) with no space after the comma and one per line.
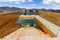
(9,24)
(26,17)
(45,28)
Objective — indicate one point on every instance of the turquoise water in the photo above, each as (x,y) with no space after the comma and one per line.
(30,21)
(28,13)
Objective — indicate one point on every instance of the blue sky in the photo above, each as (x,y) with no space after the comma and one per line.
(47,4)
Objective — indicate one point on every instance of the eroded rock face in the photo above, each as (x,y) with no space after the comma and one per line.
(29,33)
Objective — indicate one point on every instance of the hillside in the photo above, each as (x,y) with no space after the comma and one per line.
(8,9)
(50,10)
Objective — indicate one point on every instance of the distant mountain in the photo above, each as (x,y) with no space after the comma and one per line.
(7,9)
(51,10)
(57,11)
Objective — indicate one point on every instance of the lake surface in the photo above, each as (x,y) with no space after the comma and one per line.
(29,13)
(30,21)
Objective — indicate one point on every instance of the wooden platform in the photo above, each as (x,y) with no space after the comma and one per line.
(7,23)
(50,16)
(25,17)
(45,25)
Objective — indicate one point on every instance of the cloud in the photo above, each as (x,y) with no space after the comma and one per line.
(51,2)
(30,0)
(12,0)
(54,3)
(16,1)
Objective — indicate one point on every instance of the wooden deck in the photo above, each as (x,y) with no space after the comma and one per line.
(26,17)
(7,23)
(50,16)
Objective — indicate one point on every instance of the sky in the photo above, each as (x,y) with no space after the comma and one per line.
(38,4)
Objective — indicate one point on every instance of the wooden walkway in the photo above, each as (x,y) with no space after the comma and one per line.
(7,23)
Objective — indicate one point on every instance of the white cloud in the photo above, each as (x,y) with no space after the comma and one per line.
(15,1)
(54,3)
(12,0)
(51,2)
(30,0)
